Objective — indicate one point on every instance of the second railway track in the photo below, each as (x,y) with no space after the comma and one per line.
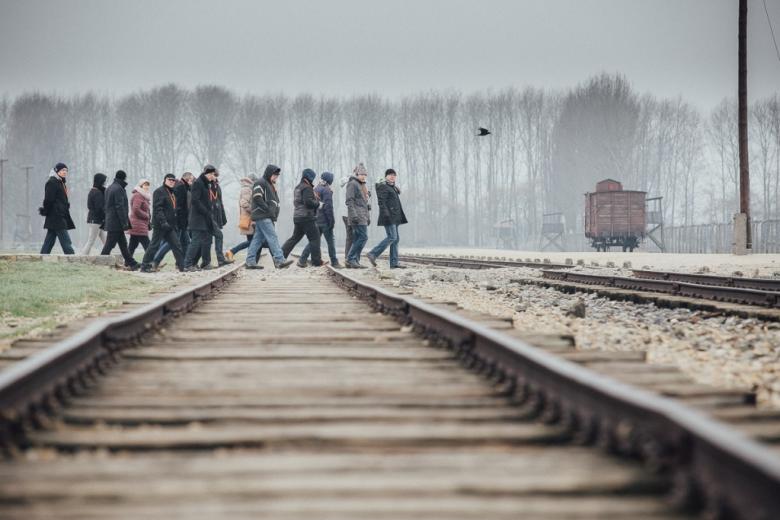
(745,293)
(286,397)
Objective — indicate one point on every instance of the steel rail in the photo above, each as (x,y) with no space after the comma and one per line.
(763,284)
(713,465)
(469,263)
(30,389)
(740,295)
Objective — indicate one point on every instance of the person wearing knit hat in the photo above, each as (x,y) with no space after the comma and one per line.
(306,202)
(117,220)
(358,212)
(391,215)
(326,221)
(56,209)
(164,225)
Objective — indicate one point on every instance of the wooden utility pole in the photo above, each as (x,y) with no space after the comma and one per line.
(742,232)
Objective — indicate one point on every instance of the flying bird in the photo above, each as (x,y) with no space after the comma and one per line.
(483,132)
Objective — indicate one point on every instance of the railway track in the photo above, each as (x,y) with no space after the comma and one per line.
(673,284)
(694,288)
(280,413)
(762,284)
(469,263)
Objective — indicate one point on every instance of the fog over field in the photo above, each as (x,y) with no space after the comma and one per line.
(572,91)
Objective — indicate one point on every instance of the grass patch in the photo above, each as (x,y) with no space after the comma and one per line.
(36,295)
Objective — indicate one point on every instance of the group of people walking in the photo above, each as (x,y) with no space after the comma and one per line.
(186,215)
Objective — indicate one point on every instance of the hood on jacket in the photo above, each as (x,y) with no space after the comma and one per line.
(270,170)
(140,191)
(99,180)
(248,181)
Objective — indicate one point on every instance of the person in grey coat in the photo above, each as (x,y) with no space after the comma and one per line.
(358,214)
(117,220)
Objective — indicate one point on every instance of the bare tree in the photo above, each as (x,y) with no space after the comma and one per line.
(764,122)
(594,138)
(213,113)
(721,134)
(166,128)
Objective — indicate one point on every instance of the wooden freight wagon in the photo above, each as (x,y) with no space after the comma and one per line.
(614,216)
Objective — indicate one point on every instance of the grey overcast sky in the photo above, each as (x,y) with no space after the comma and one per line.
(343,47)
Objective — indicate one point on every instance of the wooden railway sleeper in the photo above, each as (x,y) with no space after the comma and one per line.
(552,411)
(586,428)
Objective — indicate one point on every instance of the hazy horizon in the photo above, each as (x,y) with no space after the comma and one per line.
(347,47)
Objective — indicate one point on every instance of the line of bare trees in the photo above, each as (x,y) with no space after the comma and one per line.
(546,150)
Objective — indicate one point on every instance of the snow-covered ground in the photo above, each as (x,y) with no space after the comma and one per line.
(764,265)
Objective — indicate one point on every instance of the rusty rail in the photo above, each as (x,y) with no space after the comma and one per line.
(32,388)
(713,465)
(747,296)
(468,263)
(762,284)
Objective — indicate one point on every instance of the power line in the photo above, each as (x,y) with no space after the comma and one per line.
(771,30)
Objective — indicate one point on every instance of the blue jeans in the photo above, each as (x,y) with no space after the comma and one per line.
(184,241)
(264,232)
(51,237)
(390,240)
(243,245)
(327,232)
(359,239)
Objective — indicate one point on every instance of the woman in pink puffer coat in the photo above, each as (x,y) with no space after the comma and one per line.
(140,216)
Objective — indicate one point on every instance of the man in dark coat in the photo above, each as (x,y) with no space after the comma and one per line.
(117,220)
(265,211)
(220,219)
(305,203)
(56,209)
(164,224)
(201,220)
(182,193)
(325,220)
(391,215)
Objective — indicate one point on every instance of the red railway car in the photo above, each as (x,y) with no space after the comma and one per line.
(614,216)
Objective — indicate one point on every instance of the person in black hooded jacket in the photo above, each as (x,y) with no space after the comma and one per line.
(117,219)
(56,209)
(305,203)
(164,224)
(96,215)
(201,220)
